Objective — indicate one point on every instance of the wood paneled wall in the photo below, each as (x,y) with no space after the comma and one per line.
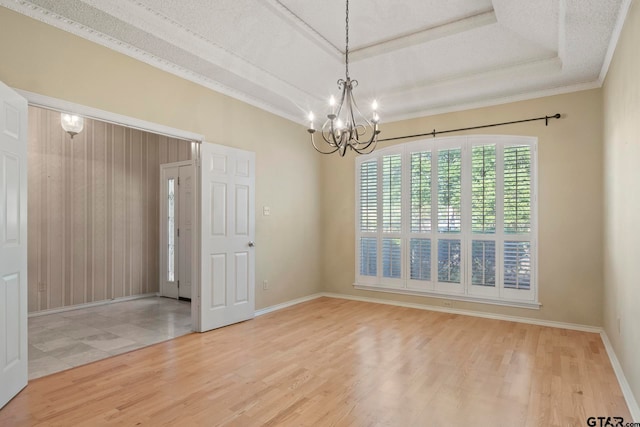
(93,215)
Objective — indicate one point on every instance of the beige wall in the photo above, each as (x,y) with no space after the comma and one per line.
(39,58)
(621,96)
(570,205)
(93,207)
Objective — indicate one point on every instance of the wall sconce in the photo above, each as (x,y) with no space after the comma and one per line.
(72,124)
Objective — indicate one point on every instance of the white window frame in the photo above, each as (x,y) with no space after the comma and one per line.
(465,291)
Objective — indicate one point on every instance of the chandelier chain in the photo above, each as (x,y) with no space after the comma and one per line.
(346,50)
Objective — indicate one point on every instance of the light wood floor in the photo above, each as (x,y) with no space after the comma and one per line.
(339,362)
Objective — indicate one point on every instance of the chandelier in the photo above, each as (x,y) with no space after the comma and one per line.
(346,127)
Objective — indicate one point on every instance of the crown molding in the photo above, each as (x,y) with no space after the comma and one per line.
(538,66)
(304,29)
(517,97)
(613,41)
(424,35)
(384,46)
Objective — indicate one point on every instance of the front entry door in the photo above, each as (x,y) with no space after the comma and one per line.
(227,293)
(176,229)
(13,244)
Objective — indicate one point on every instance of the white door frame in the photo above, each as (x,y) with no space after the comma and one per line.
(196,139)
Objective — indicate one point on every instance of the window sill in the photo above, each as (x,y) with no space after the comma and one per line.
(432,294)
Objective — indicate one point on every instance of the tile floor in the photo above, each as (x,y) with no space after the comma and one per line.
(73,338)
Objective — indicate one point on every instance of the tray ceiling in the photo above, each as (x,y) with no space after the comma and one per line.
(417,57)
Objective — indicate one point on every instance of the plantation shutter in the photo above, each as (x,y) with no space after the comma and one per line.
(483,189)
(483,262)
(392,193)
(368,256)
(421,192)
(517,189)
(391,215)
(420,259)
(517,265)
(369,196)
(368,217)
(449,216)
(449,190)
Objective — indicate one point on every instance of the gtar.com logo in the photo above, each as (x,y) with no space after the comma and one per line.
(605,422)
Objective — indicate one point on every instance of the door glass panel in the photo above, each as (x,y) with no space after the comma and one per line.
(171,229)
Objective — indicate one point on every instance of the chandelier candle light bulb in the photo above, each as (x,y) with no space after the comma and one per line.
(311,117)
(346,127)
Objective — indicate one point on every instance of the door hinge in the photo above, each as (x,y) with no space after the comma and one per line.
(178,232)
(178,180)
(178,284)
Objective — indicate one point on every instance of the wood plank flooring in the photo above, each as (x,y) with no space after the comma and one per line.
(339,362)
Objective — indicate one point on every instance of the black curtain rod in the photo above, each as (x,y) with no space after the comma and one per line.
(434,133)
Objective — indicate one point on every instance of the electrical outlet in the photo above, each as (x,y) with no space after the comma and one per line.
(265,285)
(266,211)
(448,304)
(42,287)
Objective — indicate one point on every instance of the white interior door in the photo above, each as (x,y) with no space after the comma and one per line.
(186,221)
(227,293)
(13,244)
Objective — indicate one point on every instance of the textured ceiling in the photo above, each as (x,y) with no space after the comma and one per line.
(417,57)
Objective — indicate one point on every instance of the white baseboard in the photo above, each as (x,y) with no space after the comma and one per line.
(287,304)
(528,320)
(91,304)
(632,403)
(550,323)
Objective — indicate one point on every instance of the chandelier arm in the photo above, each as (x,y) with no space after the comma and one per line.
(355,104)
(343,150)
(336,142)
(372,143)
(353,117)
(345,85)
(373,140)
(370,125)
(325,132)
(313,142)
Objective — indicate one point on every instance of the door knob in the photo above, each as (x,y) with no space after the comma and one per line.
(252,244)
